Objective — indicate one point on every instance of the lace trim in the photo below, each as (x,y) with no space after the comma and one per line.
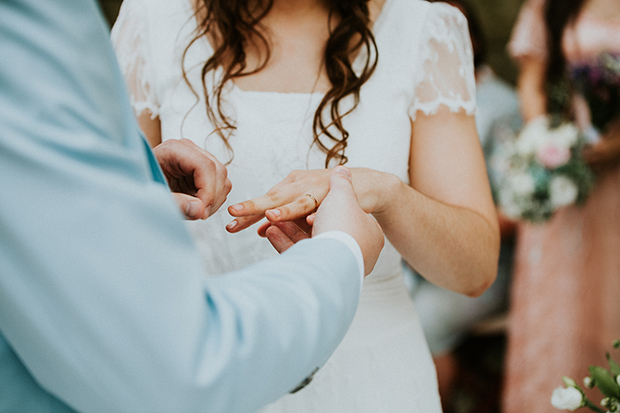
(129,37)
(446,72)
(455,106)
(139,107)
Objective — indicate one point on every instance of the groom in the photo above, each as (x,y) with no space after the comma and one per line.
(103,302)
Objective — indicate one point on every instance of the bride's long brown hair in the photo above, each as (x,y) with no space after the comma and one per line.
(233,25)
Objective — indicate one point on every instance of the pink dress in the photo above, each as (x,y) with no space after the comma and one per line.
(565,305)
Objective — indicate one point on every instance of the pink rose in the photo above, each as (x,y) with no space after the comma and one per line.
(551,156)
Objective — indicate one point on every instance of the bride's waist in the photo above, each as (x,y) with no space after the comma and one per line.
(384,284)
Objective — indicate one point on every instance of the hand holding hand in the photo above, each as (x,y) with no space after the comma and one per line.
(301,193)
(339,211)
(197,179)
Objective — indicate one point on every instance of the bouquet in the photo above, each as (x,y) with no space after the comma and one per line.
(541,171)
(572,396)
(598,81)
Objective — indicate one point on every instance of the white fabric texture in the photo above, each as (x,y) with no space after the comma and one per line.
(447,75)
(351,244)
(425,62)
(129,37)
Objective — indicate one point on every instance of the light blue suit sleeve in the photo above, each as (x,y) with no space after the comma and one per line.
(103,301)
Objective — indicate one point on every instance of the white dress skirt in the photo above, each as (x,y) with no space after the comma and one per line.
(425,62)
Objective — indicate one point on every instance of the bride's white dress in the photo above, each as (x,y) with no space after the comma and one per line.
(425,61)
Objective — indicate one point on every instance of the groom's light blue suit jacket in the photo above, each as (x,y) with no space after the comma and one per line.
(103,302)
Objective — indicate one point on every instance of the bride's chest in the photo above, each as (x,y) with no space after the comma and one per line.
(275,130)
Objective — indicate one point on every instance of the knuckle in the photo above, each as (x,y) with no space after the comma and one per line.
(272,195)
(285,212)
(294,174)
(305,201)
(221,168)
(208,163)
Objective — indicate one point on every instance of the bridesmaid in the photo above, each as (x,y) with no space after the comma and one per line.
(565,308)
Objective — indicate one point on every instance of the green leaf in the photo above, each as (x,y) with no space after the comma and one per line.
(613,366)
(604,381)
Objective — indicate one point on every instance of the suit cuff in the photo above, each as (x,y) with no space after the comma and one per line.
(353,246)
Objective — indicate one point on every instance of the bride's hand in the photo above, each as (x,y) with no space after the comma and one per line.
(283,235)
(290,199)
(340,211)
(302,192)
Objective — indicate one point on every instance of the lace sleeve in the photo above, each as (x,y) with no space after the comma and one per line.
(529,36)
(446,75)
(130,39)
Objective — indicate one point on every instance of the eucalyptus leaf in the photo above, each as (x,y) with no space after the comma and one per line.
(604,381)
(613,366)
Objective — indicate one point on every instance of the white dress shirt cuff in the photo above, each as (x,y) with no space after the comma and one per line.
(350,242)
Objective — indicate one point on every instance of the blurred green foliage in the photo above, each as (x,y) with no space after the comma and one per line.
(496,17)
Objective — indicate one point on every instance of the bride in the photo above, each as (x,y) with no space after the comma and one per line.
(283,90)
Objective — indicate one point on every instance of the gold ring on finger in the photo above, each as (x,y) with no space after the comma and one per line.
(316,203)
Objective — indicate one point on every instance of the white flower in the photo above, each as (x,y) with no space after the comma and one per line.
(537,133)
(564,136)
(566,398)
(618,379)
(522,183)
(509,206)
(587,381)
(562,191)
(511,210)
(532,135)
(499,163)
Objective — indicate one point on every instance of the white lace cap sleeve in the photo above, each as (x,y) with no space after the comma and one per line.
(445,74)
(130,39)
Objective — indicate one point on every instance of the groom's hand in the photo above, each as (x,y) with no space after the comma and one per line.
(339,211)
(199,182)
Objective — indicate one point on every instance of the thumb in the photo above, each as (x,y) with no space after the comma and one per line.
(191,207)
(340,183)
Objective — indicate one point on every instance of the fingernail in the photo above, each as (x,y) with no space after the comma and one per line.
(231,225)
(192,208)
(343,170)
(275,212)
(237,207)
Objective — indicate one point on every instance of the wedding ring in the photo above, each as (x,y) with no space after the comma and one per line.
(316,203)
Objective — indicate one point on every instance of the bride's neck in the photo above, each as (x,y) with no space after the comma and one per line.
(297,7)
(291,13)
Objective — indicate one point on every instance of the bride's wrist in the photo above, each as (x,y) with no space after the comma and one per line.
(378,192)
